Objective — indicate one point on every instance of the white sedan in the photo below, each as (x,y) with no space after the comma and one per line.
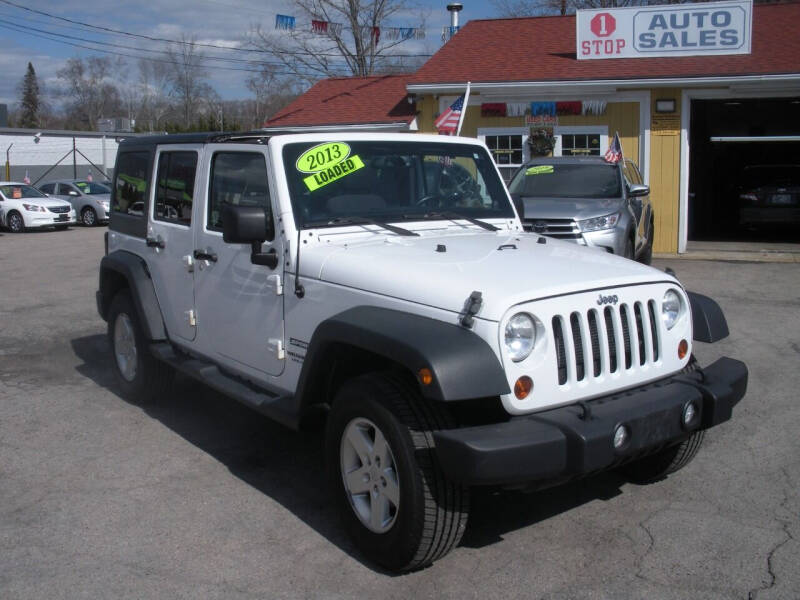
(24,207)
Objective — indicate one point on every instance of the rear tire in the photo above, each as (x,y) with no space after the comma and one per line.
(139,375)
(424,515)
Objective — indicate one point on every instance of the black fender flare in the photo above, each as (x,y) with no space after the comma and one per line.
(132,269)
(463,365)
(708,320)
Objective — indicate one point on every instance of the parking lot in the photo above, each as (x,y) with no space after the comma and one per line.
(199,497)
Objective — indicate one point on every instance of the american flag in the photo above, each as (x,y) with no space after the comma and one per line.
(614,152)
(448,120)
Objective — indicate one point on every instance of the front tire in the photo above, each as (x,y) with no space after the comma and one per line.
(15,222)
(88,217)
(140,376)
(392,495)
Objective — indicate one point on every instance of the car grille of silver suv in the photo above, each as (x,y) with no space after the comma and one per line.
(58,209)
(603,341)
(564,229)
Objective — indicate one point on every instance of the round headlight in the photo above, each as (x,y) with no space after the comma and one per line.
(520,337)
(670,308)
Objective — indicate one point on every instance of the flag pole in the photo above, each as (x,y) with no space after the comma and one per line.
(463,110)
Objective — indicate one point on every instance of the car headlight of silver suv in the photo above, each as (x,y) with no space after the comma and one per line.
(671,308)
(520,336)
(598,223)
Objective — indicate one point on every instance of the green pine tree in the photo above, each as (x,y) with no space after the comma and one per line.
(29,100)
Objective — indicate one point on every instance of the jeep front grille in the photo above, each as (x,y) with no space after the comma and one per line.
(601,341)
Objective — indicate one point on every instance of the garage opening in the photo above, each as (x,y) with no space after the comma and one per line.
(744,171)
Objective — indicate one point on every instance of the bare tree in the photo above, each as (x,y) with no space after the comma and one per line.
(272,92)
(89,90)
(349,42)
(187,76)
(155,88)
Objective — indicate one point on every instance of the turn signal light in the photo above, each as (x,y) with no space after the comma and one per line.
(523,387)
(683,349)
(425,376)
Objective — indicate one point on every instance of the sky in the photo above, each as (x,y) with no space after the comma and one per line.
(45,40)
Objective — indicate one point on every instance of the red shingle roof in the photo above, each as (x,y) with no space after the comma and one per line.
(543,49)
(349,100)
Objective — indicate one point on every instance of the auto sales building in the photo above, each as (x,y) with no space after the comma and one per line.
(693,116)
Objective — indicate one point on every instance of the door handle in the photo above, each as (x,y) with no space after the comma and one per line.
(203,255)
(154,242)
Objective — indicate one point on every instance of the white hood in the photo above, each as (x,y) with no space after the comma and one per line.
(411,268)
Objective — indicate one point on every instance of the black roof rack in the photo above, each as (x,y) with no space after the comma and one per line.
(208,137)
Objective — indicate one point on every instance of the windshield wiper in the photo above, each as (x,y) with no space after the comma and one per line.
(364,221)
(454,215)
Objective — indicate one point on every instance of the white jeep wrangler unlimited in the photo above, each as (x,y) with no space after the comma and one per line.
(385,281)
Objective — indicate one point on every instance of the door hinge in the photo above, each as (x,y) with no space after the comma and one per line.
(276,347)
(191,317)
(275,280)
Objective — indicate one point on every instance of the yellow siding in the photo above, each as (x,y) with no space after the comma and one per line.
(665,157)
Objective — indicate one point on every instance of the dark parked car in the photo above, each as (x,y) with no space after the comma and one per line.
(588,201)
(769,195)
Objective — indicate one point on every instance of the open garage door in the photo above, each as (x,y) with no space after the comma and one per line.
(744,171)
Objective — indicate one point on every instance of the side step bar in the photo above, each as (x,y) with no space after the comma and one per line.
(279,408)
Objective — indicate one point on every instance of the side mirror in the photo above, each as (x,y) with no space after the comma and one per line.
(73,193)
(249,225)
(638,189)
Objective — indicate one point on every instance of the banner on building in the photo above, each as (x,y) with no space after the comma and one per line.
(711,28)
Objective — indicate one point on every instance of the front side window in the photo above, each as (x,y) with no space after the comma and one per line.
(238,178)
(391,182)
(14,192)
(567,180)
(130,183)
(175,187)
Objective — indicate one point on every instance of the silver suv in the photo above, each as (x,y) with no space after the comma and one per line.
(588,201)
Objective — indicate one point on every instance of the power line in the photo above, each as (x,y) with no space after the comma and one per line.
(170,41)
(25,28)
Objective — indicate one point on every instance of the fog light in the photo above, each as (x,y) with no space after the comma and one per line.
(621,436)
(523,387)
(683,348)
(689,413)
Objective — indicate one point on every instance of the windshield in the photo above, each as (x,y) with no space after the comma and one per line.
(90,187)
(20,191)
(391,181)
(565,180)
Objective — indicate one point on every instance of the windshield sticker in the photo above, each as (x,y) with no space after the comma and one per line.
(539,170)
(322,157)
(334,173)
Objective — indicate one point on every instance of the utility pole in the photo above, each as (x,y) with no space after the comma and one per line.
(74,160)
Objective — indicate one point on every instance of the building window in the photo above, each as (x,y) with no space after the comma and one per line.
(580,141)
(507,147)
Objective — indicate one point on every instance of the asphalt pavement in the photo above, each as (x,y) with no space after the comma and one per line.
(198,497)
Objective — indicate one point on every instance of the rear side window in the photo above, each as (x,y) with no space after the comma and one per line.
(175,187)
(238,178)
(130,183)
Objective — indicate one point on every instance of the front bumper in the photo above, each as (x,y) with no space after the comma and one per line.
(576,440)
(38,219)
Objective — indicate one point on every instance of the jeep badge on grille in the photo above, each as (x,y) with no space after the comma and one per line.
(607,300)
